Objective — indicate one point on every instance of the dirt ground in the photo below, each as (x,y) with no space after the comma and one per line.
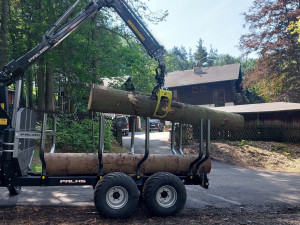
(258,155)
(87,215)
(267,156)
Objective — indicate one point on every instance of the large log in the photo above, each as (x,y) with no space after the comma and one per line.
(109,100)
(60,164)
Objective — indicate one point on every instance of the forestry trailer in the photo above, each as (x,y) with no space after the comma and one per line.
(117,188)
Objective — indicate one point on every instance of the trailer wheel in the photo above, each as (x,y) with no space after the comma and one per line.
(164,194)
(116,195)
(14,190)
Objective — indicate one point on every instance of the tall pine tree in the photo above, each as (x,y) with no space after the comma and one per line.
(200,55)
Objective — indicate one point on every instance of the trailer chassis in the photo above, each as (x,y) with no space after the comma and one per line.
(18,150)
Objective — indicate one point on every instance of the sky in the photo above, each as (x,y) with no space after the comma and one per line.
(218,22)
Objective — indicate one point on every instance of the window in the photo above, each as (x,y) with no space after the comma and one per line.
(203,88)
(195,90)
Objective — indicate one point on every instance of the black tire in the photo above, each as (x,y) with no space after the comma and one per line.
(164,194)
(14,190)
(116,195)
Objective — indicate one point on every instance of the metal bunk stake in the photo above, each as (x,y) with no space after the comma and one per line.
(132,136)
(200,150)
(101,144)
(207,152)
(203,176)
(180,139)
(54,134)
(173,139)
(42,145)
(147,136)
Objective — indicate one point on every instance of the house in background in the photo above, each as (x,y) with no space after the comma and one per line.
(271,113)
(212,86)
(273,121)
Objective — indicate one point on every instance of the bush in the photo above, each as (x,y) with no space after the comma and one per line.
(187,133)
(78,136)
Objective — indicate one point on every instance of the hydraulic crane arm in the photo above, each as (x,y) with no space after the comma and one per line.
(16,68)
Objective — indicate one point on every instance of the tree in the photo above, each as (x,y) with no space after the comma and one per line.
(212,56)
(226,59)
(276,76)
(177,59)
(200,55)
(294,27)
(4,33)
(102,47)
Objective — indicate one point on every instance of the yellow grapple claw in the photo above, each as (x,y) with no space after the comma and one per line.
(163,94)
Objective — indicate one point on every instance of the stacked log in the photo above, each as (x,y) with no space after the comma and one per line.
(60,164)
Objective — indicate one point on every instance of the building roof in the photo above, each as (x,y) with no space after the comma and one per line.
(261,107)
(207,75)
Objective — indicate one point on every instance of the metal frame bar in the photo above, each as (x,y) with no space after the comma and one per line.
(54,134)
(101,144)
(42,145)
(173,139)
(16,102)
(147,138)
(200,149)
(180,140)
(132,135)
(38,180)
(207,152)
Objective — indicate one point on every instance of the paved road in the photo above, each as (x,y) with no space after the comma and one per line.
(159,143)
(229,186)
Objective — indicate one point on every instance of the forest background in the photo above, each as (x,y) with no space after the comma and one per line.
(104,47)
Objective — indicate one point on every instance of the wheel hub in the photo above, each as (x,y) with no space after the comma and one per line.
(166,196)
(117,197)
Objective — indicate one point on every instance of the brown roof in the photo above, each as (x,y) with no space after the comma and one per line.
(261,107)
(208,75)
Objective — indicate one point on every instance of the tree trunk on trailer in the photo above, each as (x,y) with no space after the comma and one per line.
(60,164)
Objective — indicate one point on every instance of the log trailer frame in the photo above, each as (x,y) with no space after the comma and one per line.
(116,194)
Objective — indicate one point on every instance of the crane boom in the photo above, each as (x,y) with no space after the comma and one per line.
(15,69)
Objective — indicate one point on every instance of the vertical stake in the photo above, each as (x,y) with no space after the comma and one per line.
(173,138)
(132,135)
(147,137)
(207,152)
(16,102)
(200,149)
(180,139)
(101,143)
(54,134)
(42,145)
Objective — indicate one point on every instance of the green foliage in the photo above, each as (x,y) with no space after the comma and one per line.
(200,55)
(187,133)
(240,143)
(226,59)
(294,27)
(78,136)
(212,56)
(102,47)
(177,59)
(277,71)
